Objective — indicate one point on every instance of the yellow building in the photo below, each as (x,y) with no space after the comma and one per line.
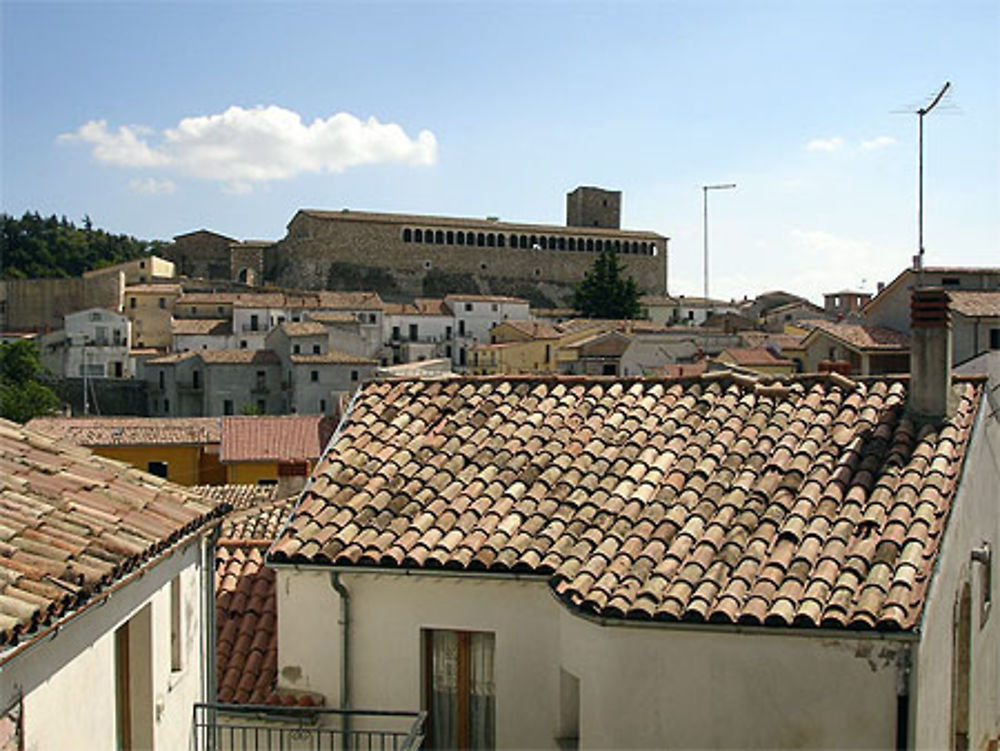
(147,269)
(273,450)
(185,450)
(150,308)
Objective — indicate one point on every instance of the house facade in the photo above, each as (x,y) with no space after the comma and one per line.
(589,563)
(95,342)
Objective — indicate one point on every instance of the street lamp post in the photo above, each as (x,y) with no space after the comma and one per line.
(704,191)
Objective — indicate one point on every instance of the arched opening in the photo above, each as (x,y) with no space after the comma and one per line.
(572,243)
(501,241)
(491,240)
(481,240)
(439,237)
(562,243)
(645,248)
(961,665)
(418,235)
(429,237)
(618,246)
(543,242)
(599,246)
(533,240)
(247,276)
(470,238)
(590,243)
(449,237)
(407,235)
(513,241)
(460,238)
(523,241)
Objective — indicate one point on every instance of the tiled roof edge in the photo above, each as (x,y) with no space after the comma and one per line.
(334,436)
(24,641)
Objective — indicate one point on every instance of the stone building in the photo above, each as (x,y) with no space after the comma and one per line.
(405,256)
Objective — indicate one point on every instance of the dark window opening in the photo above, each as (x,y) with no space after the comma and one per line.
(157,468)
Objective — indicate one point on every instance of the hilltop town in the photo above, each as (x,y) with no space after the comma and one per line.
(365,485)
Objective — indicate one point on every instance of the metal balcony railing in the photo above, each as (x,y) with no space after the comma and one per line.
(236,727)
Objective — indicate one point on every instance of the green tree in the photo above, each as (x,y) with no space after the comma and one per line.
(21,395)
(605,292)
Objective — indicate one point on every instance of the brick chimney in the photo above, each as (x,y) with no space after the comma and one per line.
(930,353)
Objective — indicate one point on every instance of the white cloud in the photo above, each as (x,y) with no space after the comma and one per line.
(878,143)
(828,144)
(243,147)
(152,186)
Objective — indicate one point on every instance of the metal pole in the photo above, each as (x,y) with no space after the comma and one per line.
(920,180)
(86,403)
(704,193)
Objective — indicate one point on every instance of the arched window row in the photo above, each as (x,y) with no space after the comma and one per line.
(425,236)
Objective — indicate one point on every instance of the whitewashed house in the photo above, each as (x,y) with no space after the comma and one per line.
(476,315)
(724,561)
(96,341)
(104,578)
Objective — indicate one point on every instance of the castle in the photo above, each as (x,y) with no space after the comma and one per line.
(403,255)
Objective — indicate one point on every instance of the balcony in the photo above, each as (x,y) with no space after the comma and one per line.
(236,727)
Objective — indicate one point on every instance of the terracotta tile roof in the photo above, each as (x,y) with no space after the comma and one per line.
(152,289)
(809,502)
(534,329)
(334,357)
(238,356)
(130,431)
(683,369)
(976,303)
(422,306)
(484,298)
(73,524)
(239,497)
(208,298)
(260,522)
(286,438)
(192,326)
(752,356)
(349,300)
(861,336)
(332,317)
(172,358)
(303,328)
(351,215)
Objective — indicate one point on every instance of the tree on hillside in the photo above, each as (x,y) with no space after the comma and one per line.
(43,247)
(605,292)
(21,395)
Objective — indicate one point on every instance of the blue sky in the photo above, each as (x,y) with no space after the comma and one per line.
(160,118)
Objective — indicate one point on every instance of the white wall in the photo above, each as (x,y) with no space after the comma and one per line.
(640,687)
(975,518)
(68,680)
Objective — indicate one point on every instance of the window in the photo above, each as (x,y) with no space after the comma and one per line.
(131,302)
(951,281)
(468,307)
(162,379)
(322,405)
(314,375)
(395,333)
(296,349)
(413,332)
(261,407)
(227,406)
(261,379)
(459,689)
(994,338)
(243,343)
(196,379)
(461,328)
(163,302)
(157,468)
(316,349)
(354,375)
(447,332)
(166,406)
(176,651)
(254,322)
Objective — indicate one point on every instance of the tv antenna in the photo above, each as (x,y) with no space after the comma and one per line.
(920,111)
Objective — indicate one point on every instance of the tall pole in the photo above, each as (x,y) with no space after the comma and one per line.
(704,192)
(86,403)
(920,180)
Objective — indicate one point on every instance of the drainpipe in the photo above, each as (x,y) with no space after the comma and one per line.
(210,661)
(345,646)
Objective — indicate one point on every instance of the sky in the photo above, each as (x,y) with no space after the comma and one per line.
(156,119)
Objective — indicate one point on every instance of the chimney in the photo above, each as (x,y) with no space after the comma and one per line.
(930,353)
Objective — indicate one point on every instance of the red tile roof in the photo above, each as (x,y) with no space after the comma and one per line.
(976,303)
(201,326)
(73,524)
(752,356)
(860,336)
(303,328)
(814,502)
(130,431)
(239,497)
(287,438)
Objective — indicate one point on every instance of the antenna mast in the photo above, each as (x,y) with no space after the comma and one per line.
(920,180)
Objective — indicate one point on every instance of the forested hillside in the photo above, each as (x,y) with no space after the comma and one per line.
(35,246)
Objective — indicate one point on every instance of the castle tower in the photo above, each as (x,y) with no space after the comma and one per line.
(594,207)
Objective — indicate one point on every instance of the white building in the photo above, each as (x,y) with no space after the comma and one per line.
(476,315)
(95,340)
(105,573)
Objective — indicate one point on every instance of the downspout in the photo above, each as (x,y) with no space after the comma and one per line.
(345,653)
(209,660)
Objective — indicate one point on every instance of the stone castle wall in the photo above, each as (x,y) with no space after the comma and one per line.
(319,252)
(41,304)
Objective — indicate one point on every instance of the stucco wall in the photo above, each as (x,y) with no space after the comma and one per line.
(182,461)
(640,687)
(975,518)
(41,304)
(68,681)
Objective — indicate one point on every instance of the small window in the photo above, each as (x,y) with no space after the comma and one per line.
(157,468)
(494,307)
(994,338)
(322,405)
(427,265)
(354,375)
(243,343)
(176,630)
(296,349)
(163,302)
(407,235)
(166,406)
(131,302)
(468,307)
(316,349)
(261,407)
(951,281)
(227,406)
(414,333)
(162,379)
(314,375)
